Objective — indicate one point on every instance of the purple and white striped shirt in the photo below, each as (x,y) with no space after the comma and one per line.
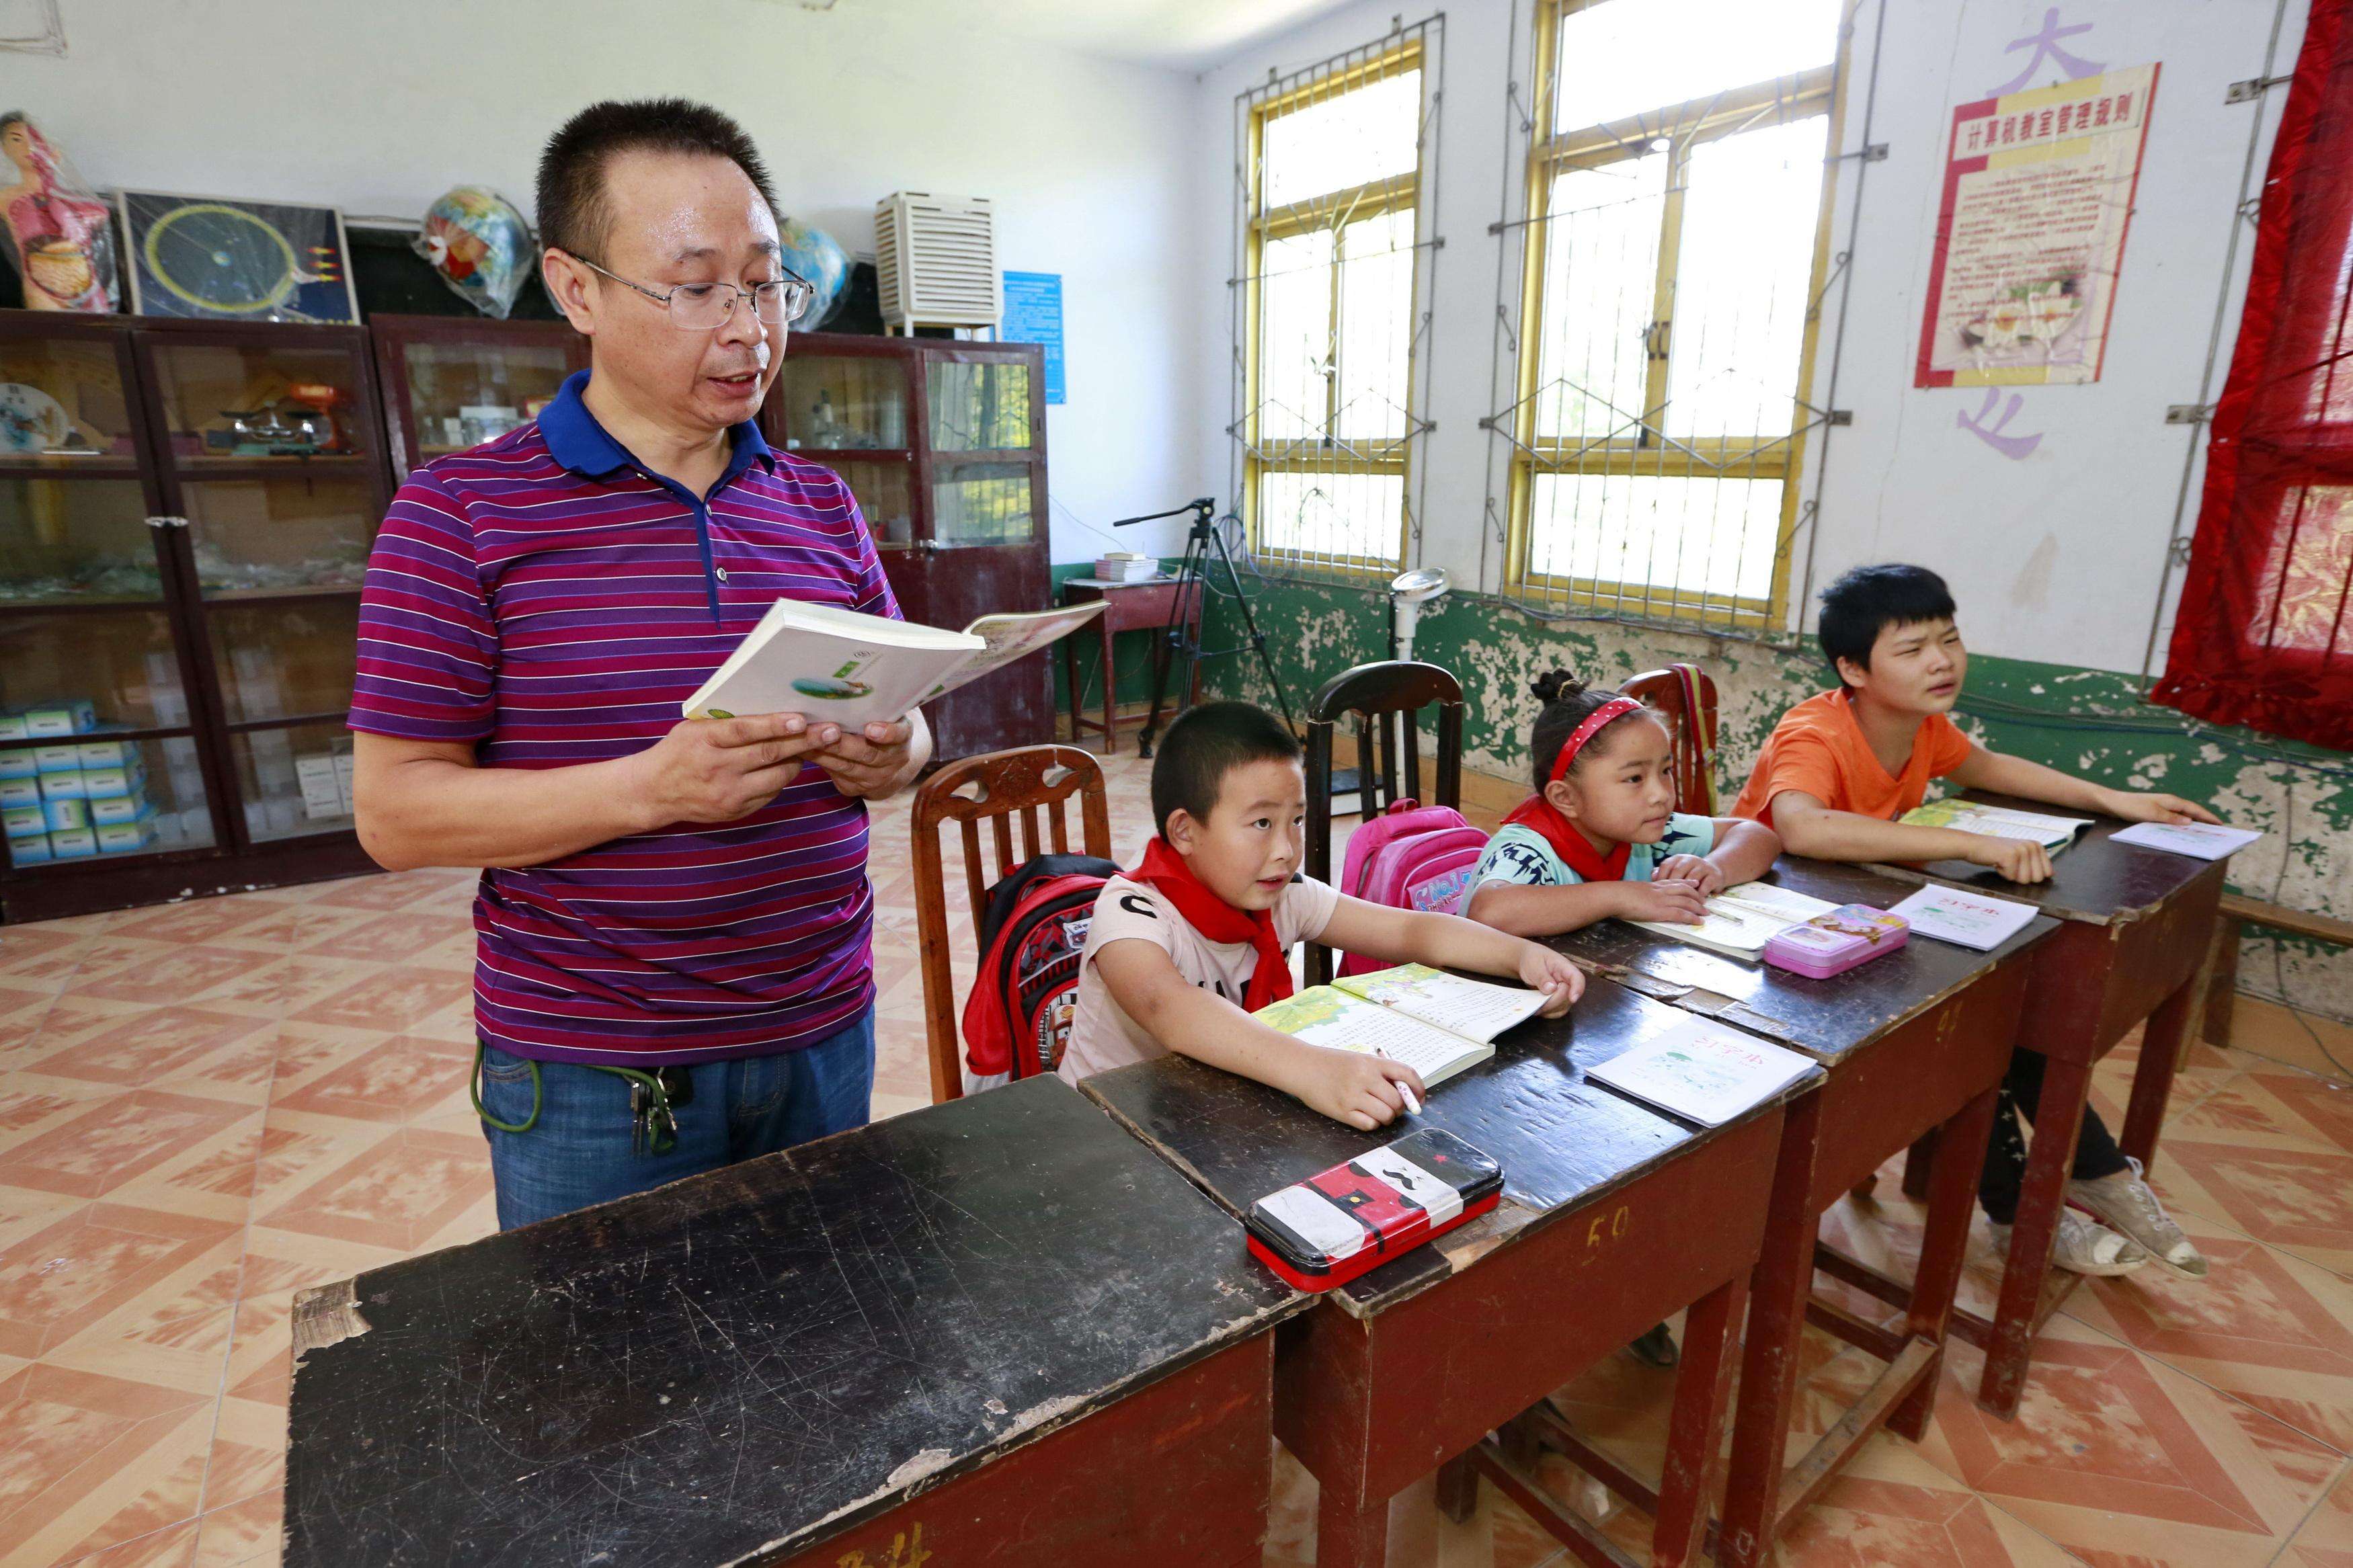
(548,599)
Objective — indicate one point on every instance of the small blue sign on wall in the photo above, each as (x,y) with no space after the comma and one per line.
(1033,314)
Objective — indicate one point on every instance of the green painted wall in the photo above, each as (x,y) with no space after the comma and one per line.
(2088,722)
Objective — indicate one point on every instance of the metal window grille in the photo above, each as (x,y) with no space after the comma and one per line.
(1335,189)
(1675,251)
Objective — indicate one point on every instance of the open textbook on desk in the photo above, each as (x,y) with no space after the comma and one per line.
(1433,1022)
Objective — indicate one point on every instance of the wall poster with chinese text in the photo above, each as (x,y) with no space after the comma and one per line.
(2030,237)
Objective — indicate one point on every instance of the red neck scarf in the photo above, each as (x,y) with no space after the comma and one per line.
(1540,816)
(1165,872)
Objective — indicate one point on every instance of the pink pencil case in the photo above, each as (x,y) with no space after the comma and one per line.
(1834,942)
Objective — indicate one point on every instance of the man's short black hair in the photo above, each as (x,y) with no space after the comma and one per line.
(1203,746)
(573,215)
(1867,600)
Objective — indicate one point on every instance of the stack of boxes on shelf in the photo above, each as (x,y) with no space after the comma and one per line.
(326,781)
(66,795)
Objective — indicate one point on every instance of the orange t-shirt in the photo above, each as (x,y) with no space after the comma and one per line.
(1818,747)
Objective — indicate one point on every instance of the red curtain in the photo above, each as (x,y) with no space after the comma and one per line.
(2264,635)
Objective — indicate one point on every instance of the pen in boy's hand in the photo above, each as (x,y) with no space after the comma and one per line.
(1411,1104)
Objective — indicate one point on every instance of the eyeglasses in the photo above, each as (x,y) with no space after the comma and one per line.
(705,307)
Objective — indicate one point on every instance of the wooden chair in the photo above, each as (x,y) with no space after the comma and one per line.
(1694,734)
(1385,697)
(992,788)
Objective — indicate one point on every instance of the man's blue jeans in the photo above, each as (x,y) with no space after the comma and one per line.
(584,1148)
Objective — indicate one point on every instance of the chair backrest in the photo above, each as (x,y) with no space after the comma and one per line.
(1027,781)
(1685,696)
(1384,697)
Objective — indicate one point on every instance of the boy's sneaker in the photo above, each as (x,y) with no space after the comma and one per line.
(2125,1202)
(2085,1246)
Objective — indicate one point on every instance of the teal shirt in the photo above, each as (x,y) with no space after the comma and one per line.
(1520,855)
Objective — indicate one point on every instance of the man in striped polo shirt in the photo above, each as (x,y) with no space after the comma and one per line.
(674,966)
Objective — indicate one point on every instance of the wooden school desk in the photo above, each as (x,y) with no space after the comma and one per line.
(994,1331)
(1912,1042)
(1613,1217)
(2136,927)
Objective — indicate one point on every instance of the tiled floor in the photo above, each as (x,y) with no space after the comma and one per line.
(207,1107)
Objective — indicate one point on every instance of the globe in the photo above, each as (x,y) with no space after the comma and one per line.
(818,256)
(479,245)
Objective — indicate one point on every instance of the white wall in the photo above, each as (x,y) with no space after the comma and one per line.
(2056,557)
(378,106)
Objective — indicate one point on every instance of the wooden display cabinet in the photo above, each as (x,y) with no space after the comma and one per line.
(185,513)
(944,444)
(450,382)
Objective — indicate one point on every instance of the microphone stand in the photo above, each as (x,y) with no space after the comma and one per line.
(1181,645)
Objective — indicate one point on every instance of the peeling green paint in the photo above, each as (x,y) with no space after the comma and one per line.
(2088,722)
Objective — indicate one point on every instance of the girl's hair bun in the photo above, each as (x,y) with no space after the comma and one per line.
(1558,685)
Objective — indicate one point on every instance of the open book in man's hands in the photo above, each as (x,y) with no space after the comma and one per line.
(1433,1022)
(831,663)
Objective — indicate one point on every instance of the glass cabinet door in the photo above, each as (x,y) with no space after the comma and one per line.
(278,535)
(884,494)
(242,402)
(843,402)
(63,404)
(982,503)
(79,779)
(278,486)
(76,541)
(463,393)
(99,760)
(978,405)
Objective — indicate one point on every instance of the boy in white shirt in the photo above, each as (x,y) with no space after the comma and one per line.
(1186,946)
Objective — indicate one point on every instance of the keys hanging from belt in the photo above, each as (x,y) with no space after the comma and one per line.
(654,1098)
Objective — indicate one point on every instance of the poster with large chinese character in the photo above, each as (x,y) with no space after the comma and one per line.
(2038,194)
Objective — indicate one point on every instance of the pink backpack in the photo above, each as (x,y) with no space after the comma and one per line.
(1411,857)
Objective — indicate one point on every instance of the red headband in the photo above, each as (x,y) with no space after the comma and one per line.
(1616,708)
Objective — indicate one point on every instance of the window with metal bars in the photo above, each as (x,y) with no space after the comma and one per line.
(1331,186)
(1677,240)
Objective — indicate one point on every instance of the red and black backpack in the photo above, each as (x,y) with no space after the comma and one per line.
(1032,934)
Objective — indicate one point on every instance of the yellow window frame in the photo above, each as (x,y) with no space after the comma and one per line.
(1332,210)
(1648,452)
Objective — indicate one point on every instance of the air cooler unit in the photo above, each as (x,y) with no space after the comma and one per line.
(935,260)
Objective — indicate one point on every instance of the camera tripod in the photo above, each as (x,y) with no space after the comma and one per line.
(1182,651)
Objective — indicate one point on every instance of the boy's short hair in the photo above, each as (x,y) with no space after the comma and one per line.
(1867,600)
(1203,746)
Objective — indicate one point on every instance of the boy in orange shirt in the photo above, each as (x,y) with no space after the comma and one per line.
(1841,767)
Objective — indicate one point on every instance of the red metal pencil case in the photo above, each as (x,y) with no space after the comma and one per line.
(1337,1224)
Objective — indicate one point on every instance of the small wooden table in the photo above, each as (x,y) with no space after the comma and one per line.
(1613,1217)
(2135,929)
(1130,606)
(1912,1042)
(992,1331)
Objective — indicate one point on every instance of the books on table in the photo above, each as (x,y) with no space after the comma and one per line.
(1998,821)
(2198,838)
(830,663)
(1702,1071)
(1740,921)
(1435,1023)
(1967,918)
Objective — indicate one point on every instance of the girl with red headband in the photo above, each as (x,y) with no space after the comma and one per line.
(1602,836)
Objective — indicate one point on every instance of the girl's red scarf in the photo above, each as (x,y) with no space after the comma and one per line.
(1165,871)
(1540,816)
